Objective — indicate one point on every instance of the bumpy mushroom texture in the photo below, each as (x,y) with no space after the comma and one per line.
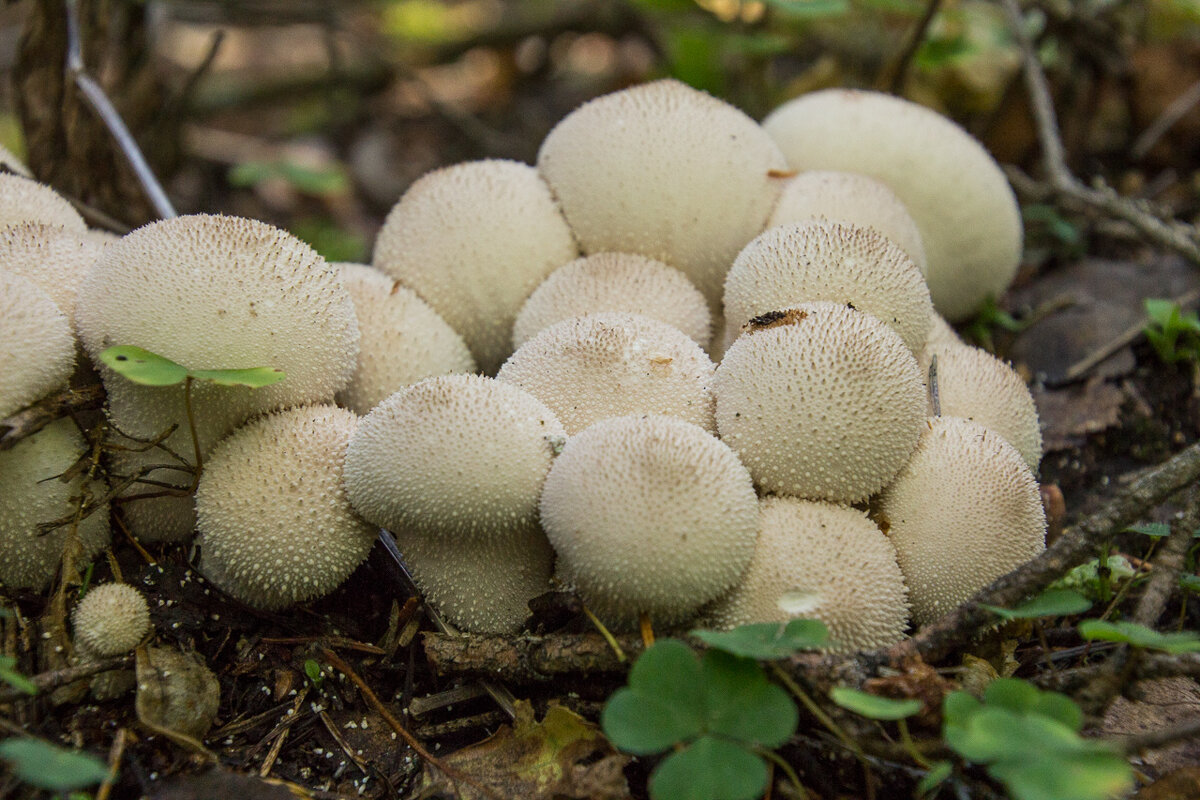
(804,262)
(667,171)
(474,240)
(820,561)
(10,162)
(941,334)
(968,215)
(975,385)
(50,256)
(37,350)
(111,619)
(403,339)
(624,282)
(852,199)
(591,368)
(275,524)
(964,511)
(453,458)
(30,495)
(649,515)
(26,200)
(153,520)
(822,402)
(481,586)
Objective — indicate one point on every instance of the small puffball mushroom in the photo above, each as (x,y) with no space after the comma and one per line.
(649,515)
(820,561)
(276,527)
(451,458)
(955,191)
(821,401)
(964,511)
(9,162)
(402,339)
(111,619)
(609,365)
(667,171)
(26,200)
(37,350)
(852,199)
(31,494)
(975,385)
(55,259)
(801,263)
(624,282)
(474,240)
(481,586)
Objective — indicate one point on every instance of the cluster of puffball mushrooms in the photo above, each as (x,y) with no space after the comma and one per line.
(680,366)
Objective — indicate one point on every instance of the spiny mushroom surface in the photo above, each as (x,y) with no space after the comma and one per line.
(624,282)
(852,199)
(474,240)
(111,619)
(964,511)
(821,401)
(26,200)
(403,339)
(276,527)
(30,495)
(55,259)
(820,561)
(37,350)
(805,262)
(649,515)
(667,171)
(609,365)
(955,191)
(453,457)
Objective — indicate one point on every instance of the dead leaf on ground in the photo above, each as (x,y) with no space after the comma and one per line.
(1068,416)
(218,782)
(1162,703)
(1182,784)
(177,695)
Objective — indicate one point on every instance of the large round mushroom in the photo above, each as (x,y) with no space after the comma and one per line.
(37,350)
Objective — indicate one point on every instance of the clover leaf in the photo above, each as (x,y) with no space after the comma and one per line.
(150,369)
(1140,636)
(1052,603)
(767,641)
(872,706)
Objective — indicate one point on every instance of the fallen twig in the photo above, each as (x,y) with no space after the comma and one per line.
(29,421)
(59,677)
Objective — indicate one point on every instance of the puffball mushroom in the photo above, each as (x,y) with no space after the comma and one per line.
(820,561)
(609,365)
(111,619)
(31,493)
(804,262)
(276,527)
(474,240)
(955,191)
(820,401)
(964,511)
(26,200)
(451,458)
(37,350)
(402,339)
(55,259)
(624,282)
(649,515)
(667,171)
(851,199)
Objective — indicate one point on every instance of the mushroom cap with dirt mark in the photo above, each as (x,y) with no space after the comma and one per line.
(111,619)
(26,200)
(37,350)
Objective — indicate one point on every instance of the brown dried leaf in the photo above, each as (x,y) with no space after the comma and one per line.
(177,695)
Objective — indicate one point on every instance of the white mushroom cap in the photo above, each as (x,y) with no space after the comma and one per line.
(667,171)
(10,162)
(26,200)
(975,385)
(968,215)
(110,619)
(941,334)
(964,511)
(801,263)
(276,527)
(852,199)
(403,339)
(37,350)
(649,515)
(481,586)
(609,365)
(821,561)
(55,259)
(474,240)
(624,282)
(453,458)
(821,401)
(30,495)
(156,519)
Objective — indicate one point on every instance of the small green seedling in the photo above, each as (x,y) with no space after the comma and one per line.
(872,706)
(314,672)
(767,641)
(1173,333)
(1140,636)
(1051,603)
(150,369)
(989,318)
(1155,530)
(50,767)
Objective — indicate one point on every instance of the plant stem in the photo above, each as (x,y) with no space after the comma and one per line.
(816,710)
(606,633)
(191,418)
(911,746)
(786,768)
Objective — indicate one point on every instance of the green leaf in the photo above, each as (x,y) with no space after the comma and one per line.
(663,705)
(1156,530)
(9,675)
(1163,313)
(1092,775)
(142,366)
(872,706)
(47,766)
(938,772)
(254,377)
(1140,636)
(1052,603)
(958,707)
(742,704)
(1190,582)
(768,640)
(810,9)
(711,769)
(1025,698)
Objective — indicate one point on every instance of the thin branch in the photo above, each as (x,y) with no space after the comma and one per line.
(1164,578)
(59,677)
(29,421)
(1177,110)
(1136,742)
(915,37)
